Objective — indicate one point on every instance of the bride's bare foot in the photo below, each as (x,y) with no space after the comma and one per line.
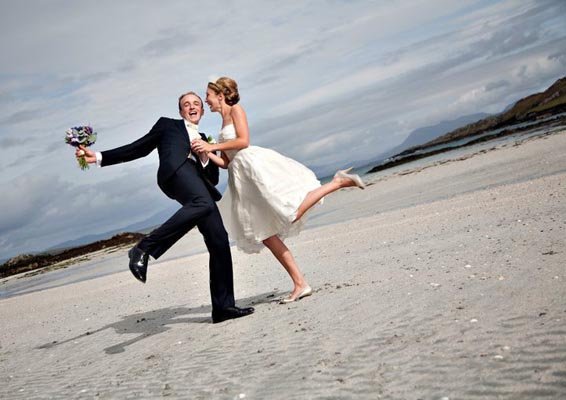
(298,294)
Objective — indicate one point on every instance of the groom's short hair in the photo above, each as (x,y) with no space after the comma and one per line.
(186,94)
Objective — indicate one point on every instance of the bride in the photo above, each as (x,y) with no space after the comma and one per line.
(268,194)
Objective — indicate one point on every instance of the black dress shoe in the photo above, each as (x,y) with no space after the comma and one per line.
(230,313)
(138,263)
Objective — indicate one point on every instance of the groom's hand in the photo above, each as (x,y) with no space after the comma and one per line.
(90,156)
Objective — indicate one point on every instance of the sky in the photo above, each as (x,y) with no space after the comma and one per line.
(328,83)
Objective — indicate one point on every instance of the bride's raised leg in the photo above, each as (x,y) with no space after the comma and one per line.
(285,257)
(341,180)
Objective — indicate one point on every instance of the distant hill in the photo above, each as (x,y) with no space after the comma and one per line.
(143,226)
(537,110)
(537,106)
(424,135)
(42,262)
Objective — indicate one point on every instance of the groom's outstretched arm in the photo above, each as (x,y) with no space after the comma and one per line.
(137,149)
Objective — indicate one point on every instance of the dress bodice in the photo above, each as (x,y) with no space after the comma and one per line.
(228,133)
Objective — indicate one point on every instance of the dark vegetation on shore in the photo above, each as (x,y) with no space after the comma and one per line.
(30,262)
(529,109)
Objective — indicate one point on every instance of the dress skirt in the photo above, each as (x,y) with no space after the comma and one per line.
(265,190)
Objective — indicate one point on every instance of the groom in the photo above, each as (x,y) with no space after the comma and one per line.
(188,178)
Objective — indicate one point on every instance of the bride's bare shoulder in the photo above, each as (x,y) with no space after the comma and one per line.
(237,108)
(238,111)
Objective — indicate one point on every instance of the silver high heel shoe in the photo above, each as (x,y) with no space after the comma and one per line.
(304,293)
(353,177)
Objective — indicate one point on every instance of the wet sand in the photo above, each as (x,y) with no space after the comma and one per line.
(446,282)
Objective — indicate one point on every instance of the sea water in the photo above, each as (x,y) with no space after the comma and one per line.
(453,151)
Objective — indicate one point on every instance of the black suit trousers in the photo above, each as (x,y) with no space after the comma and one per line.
(198,209)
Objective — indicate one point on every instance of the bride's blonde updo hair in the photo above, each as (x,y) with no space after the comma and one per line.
(228,87)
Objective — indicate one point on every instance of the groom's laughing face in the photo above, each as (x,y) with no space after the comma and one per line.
(191,108)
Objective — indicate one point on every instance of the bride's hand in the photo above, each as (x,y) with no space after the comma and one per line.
(201,146)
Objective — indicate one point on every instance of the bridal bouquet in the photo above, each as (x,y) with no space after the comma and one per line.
(80,135)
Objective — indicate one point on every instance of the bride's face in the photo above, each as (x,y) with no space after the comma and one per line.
(213,100)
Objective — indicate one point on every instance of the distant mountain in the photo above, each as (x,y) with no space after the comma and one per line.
(423,135)
(30,262)
(539,109)
(415,138)
(531,108)
(143,227)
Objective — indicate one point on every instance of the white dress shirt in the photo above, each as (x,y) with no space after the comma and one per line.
(192,129)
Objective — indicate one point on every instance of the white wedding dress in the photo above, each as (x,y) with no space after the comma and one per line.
(265,190)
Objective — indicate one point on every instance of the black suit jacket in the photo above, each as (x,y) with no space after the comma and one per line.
(172,141)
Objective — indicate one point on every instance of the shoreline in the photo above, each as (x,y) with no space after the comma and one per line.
(318,218)
(552,127)
(556,123)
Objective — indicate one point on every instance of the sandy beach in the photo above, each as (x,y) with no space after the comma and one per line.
(443,282)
